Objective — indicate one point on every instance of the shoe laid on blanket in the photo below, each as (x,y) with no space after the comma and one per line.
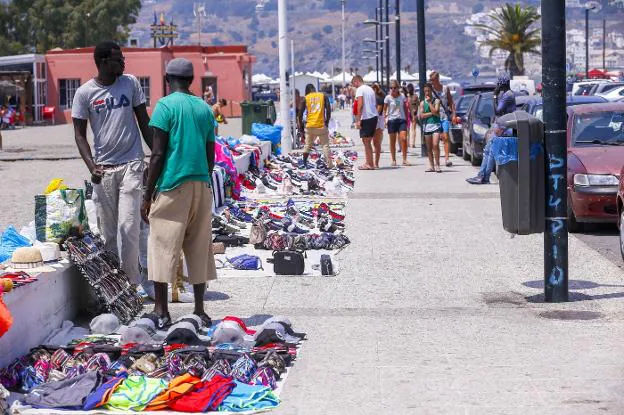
(324,208)
(238,213)
(291,226)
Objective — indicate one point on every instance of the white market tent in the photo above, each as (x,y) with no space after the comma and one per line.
(260,79)
(416,76)
(371,77)
(405,77)
(347,76)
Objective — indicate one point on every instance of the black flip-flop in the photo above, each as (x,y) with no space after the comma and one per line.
(206,320)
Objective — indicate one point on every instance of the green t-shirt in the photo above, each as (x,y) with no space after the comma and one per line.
(190,124)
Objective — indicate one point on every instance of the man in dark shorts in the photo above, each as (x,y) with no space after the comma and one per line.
(366,118)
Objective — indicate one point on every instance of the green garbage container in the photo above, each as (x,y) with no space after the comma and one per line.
(262,112)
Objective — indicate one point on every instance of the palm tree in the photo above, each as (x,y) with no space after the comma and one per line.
(511,30)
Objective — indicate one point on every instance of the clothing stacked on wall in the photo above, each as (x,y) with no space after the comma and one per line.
(187,368)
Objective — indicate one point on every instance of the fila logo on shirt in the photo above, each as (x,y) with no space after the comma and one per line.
(110,103)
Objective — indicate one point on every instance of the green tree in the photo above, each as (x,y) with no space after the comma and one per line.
(512,30)
(41,25)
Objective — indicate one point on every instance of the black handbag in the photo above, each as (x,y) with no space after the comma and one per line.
(289,262)
(231,240)
(327,268)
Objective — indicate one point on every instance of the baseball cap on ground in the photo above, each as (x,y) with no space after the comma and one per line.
(104,324)
(180,67)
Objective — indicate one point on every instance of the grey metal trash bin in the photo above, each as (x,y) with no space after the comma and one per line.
(522,181)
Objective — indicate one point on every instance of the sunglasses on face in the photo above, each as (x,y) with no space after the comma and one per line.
(394,87)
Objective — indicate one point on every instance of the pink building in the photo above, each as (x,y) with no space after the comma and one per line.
(227,69)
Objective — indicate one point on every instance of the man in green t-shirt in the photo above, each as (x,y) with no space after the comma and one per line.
(178,198)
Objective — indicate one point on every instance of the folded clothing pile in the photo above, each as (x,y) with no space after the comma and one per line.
(233,369)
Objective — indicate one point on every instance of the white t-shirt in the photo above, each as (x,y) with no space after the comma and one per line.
(369,100)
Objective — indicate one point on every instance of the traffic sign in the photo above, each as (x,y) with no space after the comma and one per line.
(475,71)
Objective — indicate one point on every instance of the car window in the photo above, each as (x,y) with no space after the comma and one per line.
(538,112)
(598,128)
(464,103)
(622,92)
(610,87)
(485,108)
(584,89)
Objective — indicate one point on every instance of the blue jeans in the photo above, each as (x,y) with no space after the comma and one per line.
(487,164)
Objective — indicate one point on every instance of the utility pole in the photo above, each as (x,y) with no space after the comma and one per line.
(344,81)
(555,139)
(397,21)
(283,70)
(383,47)
(292,86)
(604,45)
(422,62)
(377,43)
(586,43)
(387,20)
(199,10)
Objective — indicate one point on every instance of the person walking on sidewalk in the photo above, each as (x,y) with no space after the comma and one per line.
(366,118)
(177,201)
(414,103)
(504,103)
(379,131)
(318,115)
(395,107)
(430,115)
(114,105)
(447,112)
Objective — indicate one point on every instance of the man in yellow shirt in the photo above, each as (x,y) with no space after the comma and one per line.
(318,111)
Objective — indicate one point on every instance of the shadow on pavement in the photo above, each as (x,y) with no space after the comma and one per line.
(215,296)
(575,296)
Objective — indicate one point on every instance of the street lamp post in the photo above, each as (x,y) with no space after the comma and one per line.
(387,44)
(587,9)
(381,55)
(377,43)
(397,20)
(422,62)
(553,73)
(283,69)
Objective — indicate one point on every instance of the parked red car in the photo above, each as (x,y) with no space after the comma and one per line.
(595,160)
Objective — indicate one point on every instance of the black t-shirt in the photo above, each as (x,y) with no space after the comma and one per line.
(380,102)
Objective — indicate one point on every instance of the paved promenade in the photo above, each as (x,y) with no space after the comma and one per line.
(436,311)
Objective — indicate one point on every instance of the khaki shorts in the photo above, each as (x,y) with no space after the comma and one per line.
(181,220)
(312,133)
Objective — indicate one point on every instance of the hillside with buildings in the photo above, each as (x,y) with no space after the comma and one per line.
(315,27)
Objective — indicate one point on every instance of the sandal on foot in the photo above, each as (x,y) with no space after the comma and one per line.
(206,320)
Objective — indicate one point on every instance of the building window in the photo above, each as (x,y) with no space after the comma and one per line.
(145,86)
(67,90)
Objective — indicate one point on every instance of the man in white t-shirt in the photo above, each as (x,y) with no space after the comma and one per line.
(366,118)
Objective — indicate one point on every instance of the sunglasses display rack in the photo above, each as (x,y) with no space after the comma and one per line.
(102,271)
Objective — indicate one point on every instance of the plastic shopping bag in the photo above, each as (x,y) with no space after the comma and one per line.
(266,132)
(10,240)
(57,212)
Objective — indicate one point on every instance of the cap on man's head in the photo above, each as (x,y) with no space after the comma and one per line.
(180,67)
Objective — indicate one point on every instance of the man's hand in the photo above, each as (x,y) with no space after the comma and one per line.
(145,210)
(358,125)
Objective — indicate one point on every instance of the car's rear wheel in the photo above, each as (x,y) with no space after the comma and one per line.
(622,233)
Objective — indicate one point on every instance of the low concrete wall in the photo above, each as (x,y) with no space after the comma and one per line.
(38,308)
